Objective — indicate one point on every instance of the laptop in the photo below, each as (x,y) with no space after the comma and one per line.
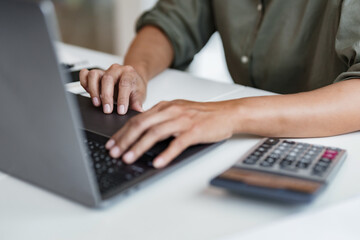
(52,138)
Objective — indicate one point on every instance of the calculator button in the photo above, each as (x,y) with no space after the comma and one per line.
(323,164)
(299,151)
(272,141)
(330,151)
(325,160)
(275,155)
(316,148)
(319,168)
(270,160)
(266,164)
(303,145)
(251,160)
(302,165)
(277,151)
(289,142)
(305,160)
(282,148)
(293,154)
(308,157)
(261,149)
(330,154)
(266,146)
(257,153)
(290,158)
(286,162)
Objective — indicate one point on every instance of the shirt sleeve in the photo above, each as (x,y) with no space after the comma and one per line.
(188,24)
(348,39)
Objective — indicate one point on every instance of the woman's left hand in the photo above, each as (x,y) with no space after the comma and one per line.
(188,122)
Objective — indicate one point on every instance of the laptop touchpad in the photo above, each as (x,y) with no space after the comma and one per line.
(96,121)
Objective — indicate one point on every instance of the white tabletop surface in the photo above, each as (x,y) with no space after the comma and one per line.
(179,206)
(339,221)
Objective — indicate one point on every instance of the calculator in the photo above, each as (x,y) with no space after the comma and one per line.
(283,170)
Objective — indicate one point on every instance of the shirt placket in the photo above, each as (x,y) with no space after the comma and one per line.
(246,57)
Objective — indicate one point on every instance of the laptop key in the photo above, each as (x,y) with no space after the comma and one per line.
(112,173)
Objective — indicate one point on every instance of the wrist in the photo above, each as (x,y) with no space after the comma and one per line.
(243,116)
(140,69)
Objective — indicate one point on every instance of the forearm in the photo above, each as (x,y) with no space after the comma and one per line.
(331,110)
(150,52)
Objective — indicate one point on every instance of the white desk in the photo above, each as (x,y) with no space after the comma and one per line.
(179,206)
(339,221)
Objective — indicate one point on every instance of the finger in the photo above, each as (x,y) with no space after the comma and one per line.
(154,135)
(83,78)
(143,121)
(125,88)
(137,98)
(107,92)
(177,146)
(111,142)
(134,128)
(108,83)
(93,82)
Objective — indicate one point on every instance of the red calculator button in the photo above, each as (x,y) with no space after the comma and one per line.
(331,151)
(331,154)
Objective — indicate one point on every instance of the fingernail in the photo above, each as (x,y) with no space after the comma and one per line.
(109,144)
(159,162)
(96,101)
(121,109)
(129,157)
(115,152)
(107,108)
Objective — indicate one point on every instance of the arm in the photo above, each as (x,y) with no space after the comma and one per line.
(149,54)
(185,27)
(331,110)
(327,111)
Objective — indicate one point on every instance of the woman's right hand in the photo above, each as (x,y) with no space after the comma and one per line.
(119,83)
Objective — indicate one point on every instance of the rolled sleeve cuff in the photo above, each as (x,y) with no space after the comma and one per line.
(352,73)
(170,31)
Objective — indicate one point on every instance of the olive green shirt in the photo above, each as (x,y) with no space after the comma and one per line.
(284,46)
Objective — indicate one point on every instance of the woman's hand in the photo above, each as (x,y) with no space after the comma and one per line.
(122,83)
(189,122)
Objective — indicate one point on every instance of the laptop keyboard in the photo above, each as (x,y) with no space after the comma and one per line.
(113,174)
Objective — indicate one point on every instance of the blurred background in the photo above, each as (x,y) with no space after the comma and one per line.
(109,26)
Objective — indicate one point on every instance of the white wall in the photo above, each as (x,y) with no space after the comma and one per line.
(126,13)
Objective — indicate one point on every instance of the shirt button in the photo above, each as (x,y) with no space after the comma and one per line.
(244,59)
(259,7)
